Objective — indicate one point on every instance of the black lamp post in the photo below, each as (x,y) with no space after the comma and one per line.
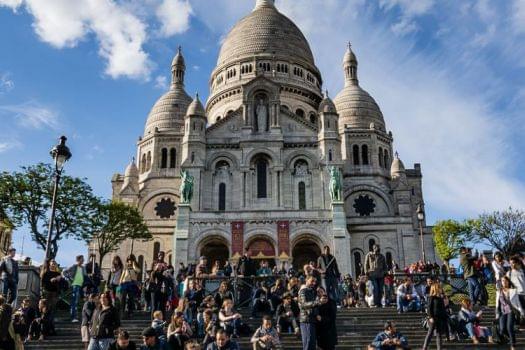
(421,217)
(60,154)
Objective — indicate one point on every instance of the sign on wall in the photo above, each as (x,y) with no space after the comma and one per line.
(237,239)
(283,239)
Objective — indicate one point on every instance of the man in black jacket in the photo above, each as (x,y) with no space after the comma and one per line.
(308,306)
(245,268)
(123,342)
(9,271)
(327,264)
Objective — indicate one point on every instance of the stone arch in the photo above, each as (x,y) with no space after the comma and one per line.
(367,239)
(293,156)
(154,194)
(374,190)
(358,254)
(261,246)
(225,156)
(305,247)
(214,247)
(250,157)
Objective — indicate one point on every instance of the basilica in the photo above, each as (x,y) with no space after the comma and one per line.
(260,154)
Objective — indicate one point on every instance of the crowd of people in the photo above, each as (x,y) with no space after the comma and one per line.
(188,312)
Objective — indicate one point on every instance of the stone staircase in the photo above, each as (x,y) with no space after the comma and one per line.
(356,328)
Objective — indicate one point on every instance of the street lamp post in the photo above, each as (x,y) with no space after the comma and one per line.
(60,154)
(421,217)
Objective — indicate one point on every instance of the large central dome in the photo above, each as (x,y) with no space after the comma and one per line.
(265,31)
(266,43)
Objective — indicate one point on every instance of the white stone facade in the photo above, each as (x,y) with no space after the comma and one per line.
(261,176)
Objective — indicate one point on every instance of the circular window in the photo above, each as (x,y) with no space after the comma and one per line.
(364,205)
(165,209)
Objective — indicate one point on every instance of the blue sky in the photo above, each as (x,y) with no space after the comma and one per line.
(448,75)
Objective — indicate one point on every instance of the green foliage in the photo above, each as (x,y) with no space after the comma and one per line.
(504,231)
(26,197)
(113,223)
(450,235)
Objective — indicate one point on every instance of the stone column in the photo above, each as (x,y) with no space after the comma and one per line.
(181,235)
(341,238)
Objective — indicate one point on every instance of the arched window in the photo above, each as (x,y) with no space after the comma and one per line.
(192,157)
(164,158)
(302,196)
(388,257)
(330,156)
(156,250)
(387,160)
(357,264)
(371,243)
(313,120)
(143,163)
(222,197)
(218,118)
(355,152)
(262,168)
(300,112)
(364,154)
(173,158)
(148,165)
(380,157)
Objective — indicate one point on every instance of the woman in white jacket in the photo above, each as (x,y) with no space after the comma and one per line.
(507,301)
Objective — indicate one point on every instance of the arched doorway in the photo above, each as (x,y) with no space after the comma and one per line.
(304,251)
(262,248)
(215,249)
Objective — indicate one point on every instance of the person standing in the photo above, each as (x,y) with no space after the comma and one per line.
(327,265)
(437,315)
(309,309)
(51,279)
(9,271)
(517,277)
(115,273)
(77,275)
(376,268)
(467,262)
(129,286)
(104,323)
(506,301)
(245,270)
(94,275)
(326,323)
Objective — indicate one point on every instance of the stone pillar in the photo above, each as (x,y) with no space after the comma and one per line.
(341,238)
(181,235)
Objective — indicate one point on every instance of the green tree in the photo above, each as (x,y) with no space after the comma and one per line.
(113,223)
(503,230)
(450,235)
(26,198)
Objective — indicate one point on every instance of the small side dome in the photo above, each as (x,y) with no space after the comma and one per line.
(349,56)
(132,170)
(178,60)
(327,105)
(196,108)
(398,168)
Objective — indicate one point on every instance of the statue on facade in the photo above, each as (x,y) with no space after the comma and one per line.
(186,187)
(335,184)
(262,116)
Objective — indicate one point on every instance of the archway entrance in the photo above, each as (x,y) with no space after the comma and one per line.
(262,248)
(215,249)
(304,251)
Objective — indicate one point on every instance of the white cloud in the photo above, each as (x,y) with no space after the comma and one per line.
(174,16)
(161,82)
(120,34)
(6,83)
(404,27)
(32,115)
(436,113)
(13,4)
